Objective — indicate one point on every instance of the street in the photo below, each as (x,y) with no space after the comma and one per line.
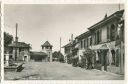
(59,71)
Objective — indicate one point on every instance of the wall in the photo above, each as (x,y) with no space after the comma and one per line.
(104,34)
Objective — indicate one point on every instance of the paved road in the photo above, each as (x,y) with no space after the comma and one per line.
(59,71)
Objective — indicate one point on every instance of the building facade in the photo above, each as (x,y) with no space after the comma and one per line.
(19,51)
(83,42)
(106,32)
(69,49)
(104,35)
(38,56)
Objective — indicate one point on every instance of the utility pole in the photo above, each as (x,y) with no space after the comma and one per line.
(16,40)
(60,44)
(119,7)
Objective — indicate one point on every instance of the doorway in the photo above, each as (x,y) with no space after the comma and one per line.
(25,58)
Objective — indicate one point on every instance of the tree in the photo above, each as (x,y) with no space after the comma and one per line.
(69,58)
(75,61)
(55,54)
(61,57)
(7,39)
(89,55)
(58,55)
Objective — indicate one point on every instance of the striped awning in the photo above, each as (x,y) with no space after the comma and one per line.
(110,45)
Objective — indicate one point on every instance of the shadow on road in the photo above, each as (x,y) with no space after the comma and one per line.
(19,70)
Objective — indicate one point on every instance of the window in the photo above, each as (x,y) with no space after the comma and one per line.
(95,38)
(108,32)
(81,44)
(87,41)
(90,40)
(42,47)
(50,47)
(113,32)
(100,31)
(84,43)
(98,36)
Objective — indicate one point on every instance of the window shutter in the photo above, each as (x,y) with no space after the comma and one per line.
(108,33)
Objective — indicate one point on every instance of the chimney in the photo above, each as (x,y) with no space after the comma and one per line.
(105,16)
(72,38)
(16,38)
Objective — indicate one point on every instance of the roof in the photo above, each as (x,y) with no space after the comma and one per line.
(46,44)
(70,44)
(117,14)
(38,53)
(87,33)
(19,44)
(67,45)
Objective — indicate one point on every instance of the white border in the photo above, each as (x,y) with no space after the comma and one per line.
(2,42)
(63,2)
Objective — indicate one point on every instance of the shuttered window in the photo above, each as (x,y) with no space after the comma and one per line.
(100,31)
(113,32)
(108,32)
(81,44)
(84,43)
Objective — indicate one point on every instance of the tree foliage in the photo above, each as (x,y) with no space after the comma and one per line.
(89,55)
(69,58)
(59,56)
(55,54)
(7,39)
(75,61)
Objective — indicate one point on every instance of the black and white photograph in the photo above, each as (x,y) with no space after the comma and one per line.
(64,42)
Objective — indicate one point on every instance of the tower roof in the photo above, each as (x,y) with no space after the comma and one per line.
(47,44)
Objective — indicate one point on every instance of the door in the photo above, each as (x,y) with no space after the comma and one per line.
(25,58)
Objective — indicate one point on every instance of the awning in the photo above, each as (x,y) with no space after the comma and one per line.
(95,47)
(110,45)
(104,47)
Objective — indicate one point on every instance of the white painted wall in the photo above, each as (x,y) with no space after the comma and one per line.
(80,53)
(104,34)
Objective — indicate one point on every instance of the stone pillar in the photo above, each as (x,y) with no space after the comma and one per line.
(7,59)
(17,53)
(13,54)
(50,54)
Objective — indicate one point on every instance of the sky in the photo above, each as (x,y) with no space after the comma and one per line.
(38,23)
